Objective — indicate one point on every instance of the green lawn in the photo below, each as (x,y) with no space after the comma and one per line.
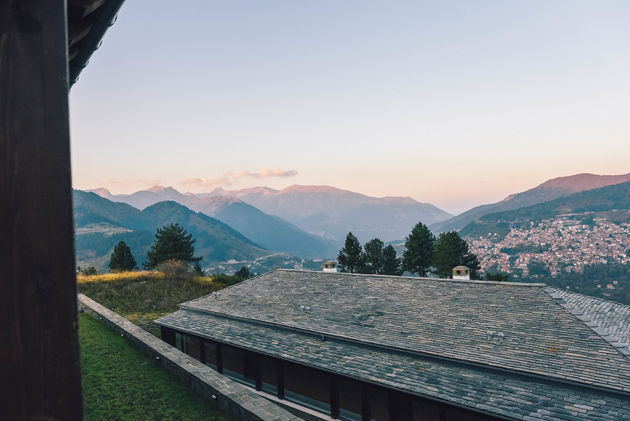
(121,383)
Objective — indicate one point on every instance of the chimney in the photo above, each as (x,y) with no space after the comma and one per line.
(330,266)
(461,272)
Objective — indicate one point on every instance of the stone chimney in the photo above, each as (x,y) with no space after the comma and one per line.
(461,272)
(330,266)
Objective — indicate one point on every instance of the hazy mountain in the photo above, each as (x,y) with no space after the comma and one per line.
(269,231)
(274,233)
(613,200)
(101,223)
(331,212)
(143,198)
(549,190)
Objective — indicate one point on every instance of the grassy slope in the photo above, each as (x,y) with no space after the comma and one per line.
(142,297)
(121,383)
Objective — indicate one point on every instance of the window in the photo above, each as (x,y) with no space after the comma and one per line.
(307,387)
(350,402)
(180,341)
(193,347)
(400,406)
(189,344)
(168,335)
(269,374)
(210,353)
(379,405)
(239,364)
(425,411)
(233,362)
(250,373)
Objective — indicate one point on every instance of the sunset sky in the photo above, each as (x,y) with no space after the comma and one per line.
(455,103)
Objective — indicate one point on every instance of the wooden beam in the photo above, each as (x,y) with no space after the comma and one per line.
(39,352)
(78,31)
(88,6)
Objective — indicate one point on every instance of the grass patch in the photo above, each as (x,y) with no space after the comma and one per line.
(142,297)
(121,383)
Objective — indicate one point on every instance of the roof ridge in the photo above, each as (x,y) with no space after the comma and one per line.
(416,278)
(613,340)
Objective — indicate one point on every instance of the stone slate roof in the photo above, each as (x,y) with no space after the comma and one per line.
(609,319)
(430,337)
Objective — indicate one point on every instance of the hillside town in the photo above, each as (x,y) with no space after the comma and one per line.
(566,243)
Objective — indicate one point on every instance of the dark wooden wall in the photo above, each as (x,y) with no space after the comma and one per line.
(39,353)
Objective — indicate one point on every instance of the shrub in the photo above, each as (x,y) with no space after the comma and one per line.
(88,271)
(176,269)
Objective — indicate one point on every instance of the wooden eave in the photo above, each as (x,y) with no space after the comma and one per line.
(88,20)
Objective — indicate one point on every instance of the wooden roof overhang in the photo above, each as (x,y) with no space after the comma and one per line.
(88,20)
(44,45)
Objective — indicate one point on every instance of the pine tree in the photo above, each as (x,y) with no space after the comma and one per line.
(391,263)
(350,257)
(418,253)
(472,261)
(450,251)
(172,242)
(373,257)
(121,259)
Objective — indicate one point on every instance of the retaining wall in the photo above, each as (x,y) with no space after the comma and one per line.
(229,395)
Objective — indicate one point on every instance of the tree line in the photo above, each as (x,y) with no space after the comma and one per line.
(424,254)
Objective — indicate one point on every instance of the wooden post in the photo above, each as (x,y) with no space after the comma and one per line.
(39,352)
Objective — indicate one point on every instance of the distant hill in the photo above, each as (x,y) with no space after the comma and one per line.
(101,223)
(269,231)
(331,212)
(275,233)
(605,199)
(549,190)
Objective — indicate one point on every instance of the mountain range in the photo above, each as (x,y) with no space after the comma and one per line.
(320,216)
(100,224)
(267,230)
(330,212)
(312,221)
(549,190)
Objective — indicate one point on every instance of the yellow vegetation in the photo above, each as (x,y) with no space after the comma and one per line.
(132,276)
